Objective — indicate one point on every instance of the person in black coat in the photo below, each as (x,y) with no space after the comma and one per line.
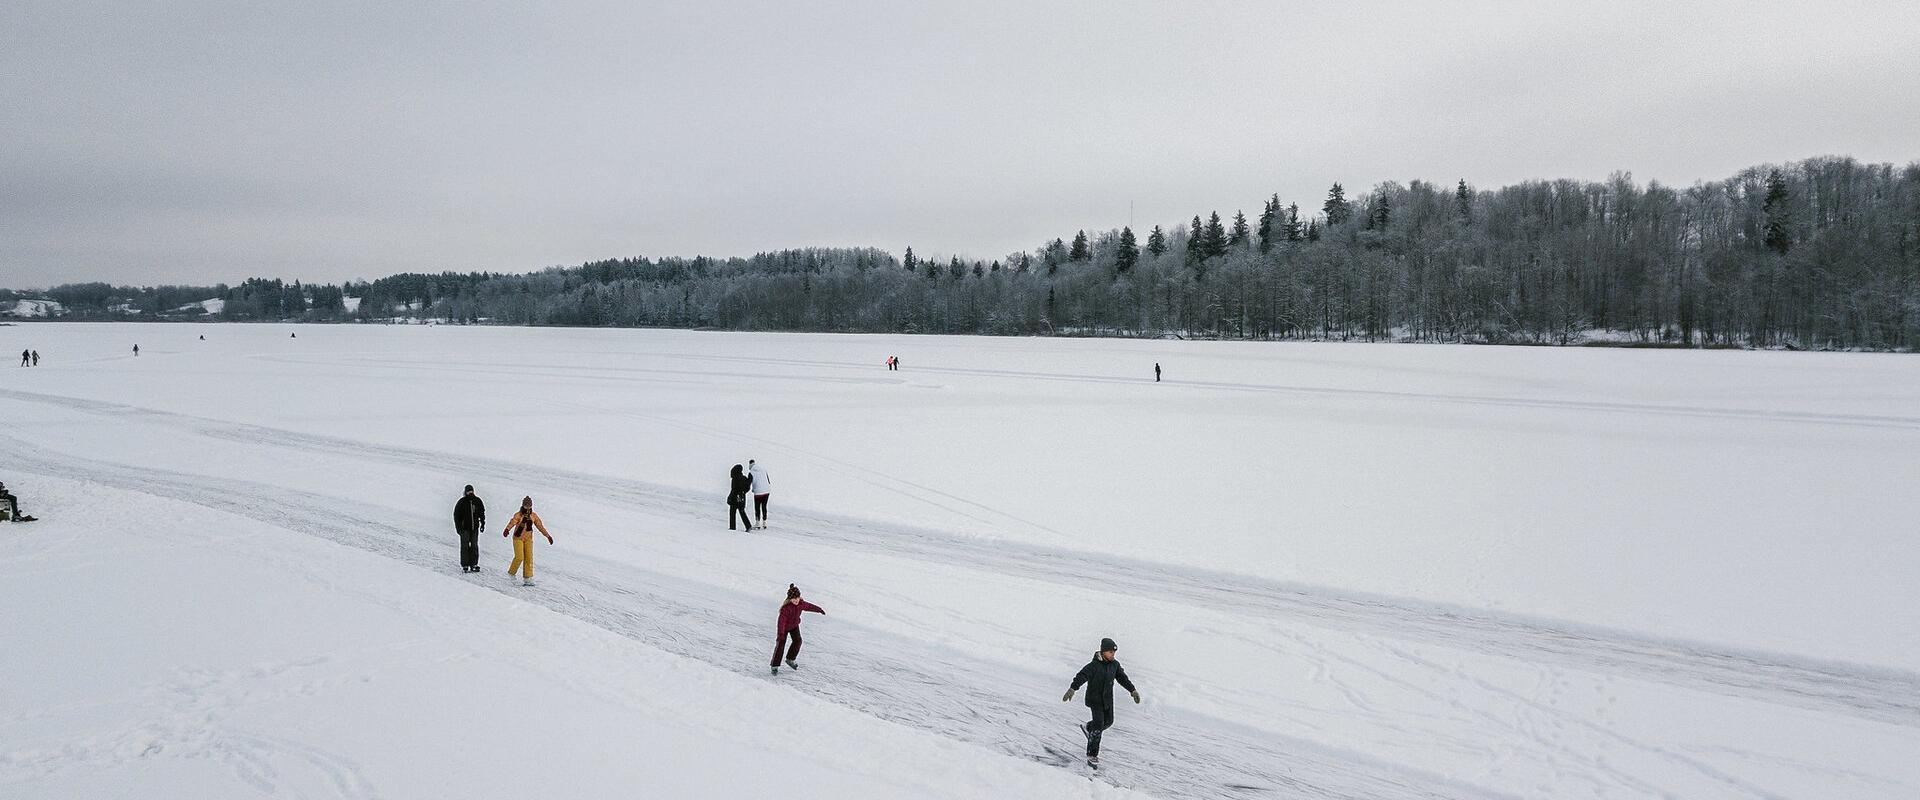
(1099,676)
(469,518)
(737,498)
(12,506)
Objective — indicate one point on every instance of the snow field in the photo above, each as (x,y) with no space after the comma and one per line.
(1335,571)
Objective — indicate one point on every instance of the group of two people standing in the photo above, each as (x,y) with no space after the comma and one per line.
(752,480)
(470,517)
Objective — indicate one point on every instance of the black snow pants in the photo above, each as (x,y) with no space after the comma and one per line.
(738,510)
(781,644)
(469,549)
(1102,720)
(760,506)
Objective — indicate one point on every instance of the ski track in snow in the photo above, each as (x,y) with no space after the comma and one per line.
(1168,752)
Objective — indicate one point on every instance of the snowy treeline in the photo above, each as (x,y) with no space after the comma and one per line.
(1822,253)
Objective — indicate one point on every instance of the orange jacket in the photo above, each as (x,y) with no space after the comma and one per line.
(515,526)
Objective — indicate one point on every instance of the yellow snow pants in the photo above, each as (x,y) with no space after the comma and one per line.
(522,554)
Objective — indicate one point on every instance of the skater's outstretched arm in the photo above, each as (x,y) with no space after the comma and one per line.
(806,606)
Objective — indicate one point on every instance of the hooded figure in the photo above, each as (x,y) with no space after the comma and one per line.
(739,485)
(469,519)
(1098,676)
(790,627)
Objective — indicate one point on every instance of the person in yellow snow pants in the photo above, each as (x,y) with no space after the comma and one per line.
(521,528)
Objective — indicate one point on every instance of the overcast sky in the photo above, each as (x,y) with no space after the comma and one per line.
(202,142)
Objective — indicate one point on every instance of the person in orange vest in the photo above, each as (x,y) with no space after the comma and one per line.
(521,528)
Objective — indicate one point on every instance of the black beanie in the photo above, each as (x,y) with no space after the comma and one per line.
(1107,644)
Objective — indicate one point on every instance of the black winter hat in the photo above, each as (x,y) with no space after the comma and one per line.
(792,591)
(1107,644)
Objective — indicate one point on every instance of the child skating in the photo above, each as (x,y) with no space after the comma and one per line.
(790,627)
(1099,676)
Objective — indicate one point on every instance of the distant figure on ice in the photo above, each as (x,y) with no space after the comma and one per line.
(136,350)
(896,363)
(1099,676)
(1156,372)
(293,336)
(203,337)
(737,490)
(469,519)
(522,527)
(24,357)
(790,627)
(36,358)
(10,506)
(762,486)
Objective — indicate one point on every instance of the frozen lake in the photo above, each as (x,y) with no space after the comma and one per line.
(1335,570)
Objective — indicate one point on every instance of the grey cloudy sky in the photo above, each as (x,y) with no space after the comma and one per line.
(209,141)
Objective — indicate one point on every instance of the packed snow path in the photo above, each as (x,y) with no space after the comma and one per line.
(1156,750)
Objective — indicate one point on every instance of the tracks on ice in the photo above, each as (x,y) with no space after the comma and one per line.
(993,705)
(1884,695)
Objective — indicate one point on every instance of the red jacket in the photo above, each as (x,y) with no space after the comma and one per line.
(790,614)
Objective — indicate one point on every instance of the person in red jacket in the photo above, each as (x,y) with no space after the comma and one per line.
(790,627)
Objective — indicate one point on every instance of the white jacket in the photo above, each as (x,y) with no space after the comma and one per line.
(761,483)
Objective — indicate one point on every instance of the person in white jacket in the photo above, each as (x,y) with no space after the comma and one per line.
(762,486)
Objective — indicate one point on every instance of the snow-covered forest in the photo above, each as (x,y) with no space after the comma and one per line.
(1824,253)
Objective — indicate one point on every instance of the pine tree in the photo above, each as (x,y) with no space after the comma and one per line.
(1157,241)
(1463,201)
(1267,214)
(1313,230)
(1295,232)
(1779,237)
(955,268)
(1216,240)
(1026,262)
(1239,234)
(909,262)
(1196,241)
(1337,209)
(1380,211)
(1129,252)
(1079,251)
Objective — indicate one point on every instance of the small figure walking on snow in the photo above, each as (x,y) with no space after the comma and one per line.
(790,627)
(136,351)
(36,358)
(738,485)
(1156,372)
(522,527)
(1099,676)
(762,486)
(24,357)
(469,519)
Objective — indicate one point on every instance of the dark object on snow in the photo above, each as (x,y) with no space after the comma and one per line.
(1099,676)
(10,507)
(469,518)
(1156,372)
(737,498)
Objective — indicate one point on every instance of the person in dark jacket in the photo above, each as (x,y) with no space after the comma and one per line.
(790,627)
(737,498)
(1156,372)
(1099,676)
(11,505)
(469,519)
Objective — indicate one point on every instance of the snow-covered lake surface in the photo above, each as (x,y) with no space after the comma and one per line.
(1365,571)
